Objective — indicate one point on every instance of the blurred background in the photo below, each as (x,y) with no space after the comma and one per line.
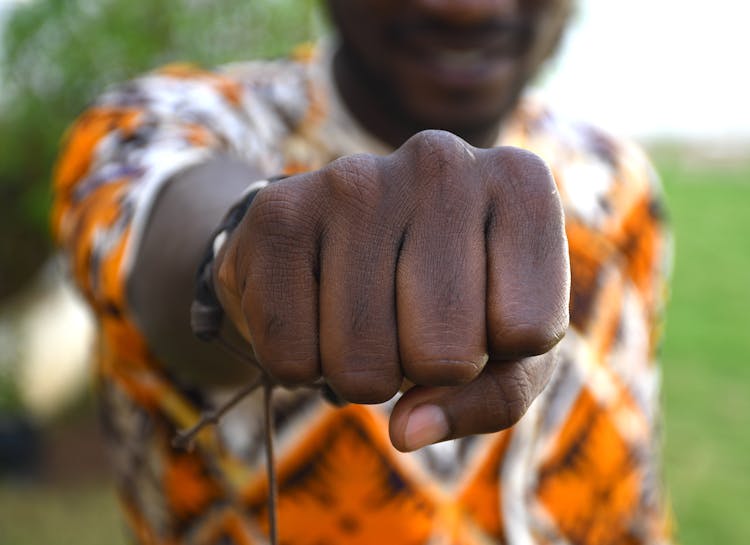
(666,73)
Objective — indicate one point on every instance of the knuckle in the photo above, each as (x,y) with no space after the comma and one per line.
(442,150)
(529,338)
(367,385)
(289,371)
(522,162)
(432,140)
(353,178)
(281,226)
(278,209)
(526,174)
(436,164)
(443,372)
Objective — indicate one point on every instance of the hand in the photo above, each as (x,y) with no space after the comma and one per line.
(440,265)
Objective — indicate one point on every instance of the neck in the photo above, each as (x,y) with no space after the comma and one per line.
(376,109)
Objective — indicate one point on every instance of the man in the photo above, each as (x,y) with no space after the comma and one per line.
(435,264)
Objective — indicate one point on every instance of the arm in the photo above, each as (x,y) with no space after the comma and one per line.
(144,176)
(162,281)
(441,266)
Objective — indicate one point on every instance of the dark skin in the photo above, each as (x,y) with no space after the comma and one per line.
(440,270)
(456,65)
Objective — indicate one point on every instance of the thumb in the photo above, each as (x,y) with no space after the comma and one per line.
(494,401)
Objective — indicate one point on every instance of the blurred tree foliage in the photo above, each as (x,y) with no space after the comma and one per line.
(59,54)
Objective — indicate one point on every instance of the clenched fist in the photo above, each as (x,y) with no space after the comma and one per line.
(441,267)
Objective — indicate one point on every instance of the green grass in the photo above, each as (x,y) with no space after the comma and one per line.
(84,514)
(706,353)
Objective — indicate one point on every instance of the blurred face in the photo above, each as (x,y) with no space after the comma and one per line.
(449,64)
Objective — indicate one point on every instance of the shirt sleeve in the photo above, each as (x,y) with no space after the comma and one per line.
(644,238)
(121,151)
(619,241)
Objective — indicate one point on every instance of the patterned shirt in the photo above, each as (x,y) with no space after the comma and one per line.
(581,466)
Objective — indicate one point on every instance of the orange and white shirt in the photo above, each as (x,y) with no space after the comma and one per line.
(581,467)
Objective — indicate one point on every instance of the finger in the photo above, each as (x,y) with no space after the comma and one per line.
(441,309)
(440,282)
(358,336)
(277,257)
(528,274)
(494,401)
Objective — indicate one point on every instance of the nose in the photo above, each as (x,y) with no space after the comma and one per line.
(468,11)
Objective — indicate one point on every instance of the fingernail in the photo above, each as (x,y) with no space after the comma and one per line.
(426,425)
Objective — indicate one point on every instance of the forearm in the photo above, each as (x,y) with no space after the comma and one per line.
(162,281)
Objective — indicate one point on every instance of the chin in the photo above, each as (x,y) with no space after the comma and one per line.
(461,115)
(461,109)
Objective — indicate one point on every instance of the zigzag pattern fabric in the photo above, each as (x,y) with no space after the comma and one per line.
(580,468)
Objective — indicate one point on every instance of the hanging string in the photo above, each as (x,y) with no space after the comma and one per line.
(270,465)
(185,438)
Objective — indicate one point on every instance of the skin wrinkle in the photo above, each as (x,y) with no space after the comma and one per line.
(378,245)
(388,173)
(510,407)
(371,186)
(364,326)
(370,384)
(354,179)
(526,340)
(441,155)
(360,312)
(460,371)
(449,291)
(519,384)
(279,211)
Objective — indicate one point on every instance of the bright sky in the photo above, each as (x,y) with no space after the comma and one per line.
(649,68)
(658,68)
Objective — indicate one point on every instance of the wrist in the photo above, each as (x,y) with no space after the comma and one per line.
(215,293)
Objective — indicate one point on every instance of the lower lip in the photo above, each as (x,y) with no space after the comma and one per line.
(461,70)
